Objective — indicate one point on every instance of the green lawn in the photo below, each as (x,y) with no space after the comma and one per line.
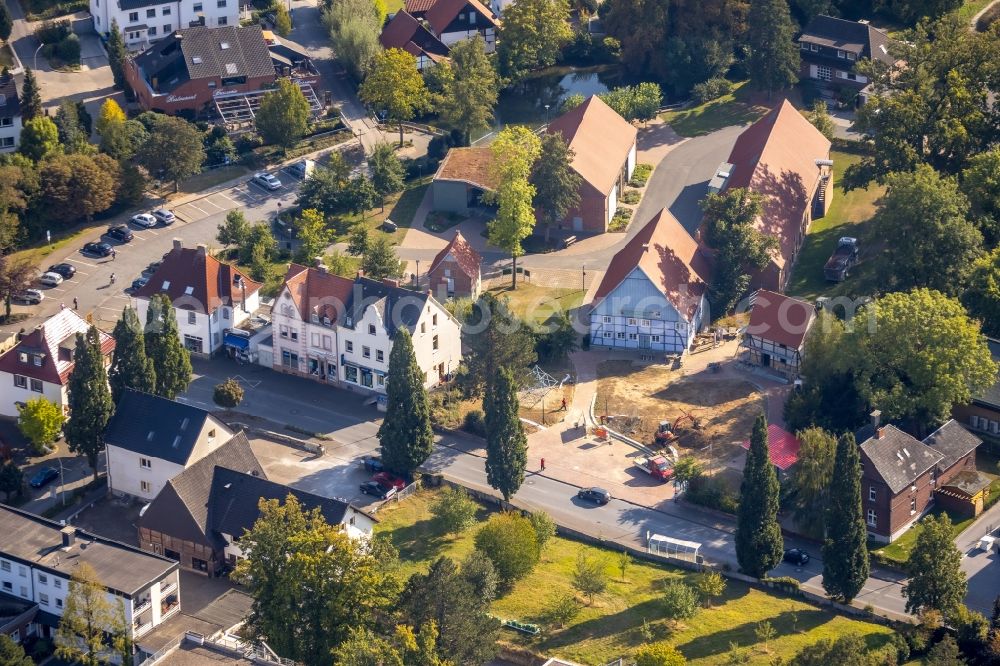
(971,8)
(899,550)
(535,303)
(610,628)
(735,108)
(393,6)
(849,212)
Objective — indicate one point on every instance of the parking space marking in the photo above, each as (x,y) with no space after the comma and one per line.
(208,200)
(226,196)
(81,261)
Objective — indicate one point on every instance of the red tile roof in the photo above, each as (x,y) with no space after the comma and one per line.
(443,12)
(776,157)
(672,260)
(317,291)
(407,33)
(419,6)
(195,280)
(781,319)
(601,141)
(783,445)
(54,341)
(464,255)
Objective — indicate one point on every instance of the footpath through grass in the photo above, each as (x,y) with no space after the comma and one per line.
(848,216)
(736,108)
(612,626)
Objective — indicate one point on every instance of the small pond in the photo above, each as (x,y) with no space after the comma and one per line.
(525,102)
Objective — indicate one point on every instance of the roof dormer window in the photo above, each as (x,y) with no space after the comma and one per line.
(166,285)
(188,291)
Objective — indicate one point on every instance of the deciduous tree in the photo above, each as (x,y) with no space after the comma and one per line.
(40,421)
(454,510)
(380,260)
(174,149)
(283,116)
(405,434)
(394,85)
(234,230)
(820,119)
(810,483)
(387,171)
(532,35)
(91,623)
(509,541)
(171,361)
(228,394)
(11,653)
(980,182)
(514,153)
(403,648)
(39,138)
(679,601)
(659,654)
(282,22)
(506,443)
(465,89)
(845,553)
(313,235)
(590,577)
(545,527)
(936,581)
(496,339)
(88,398)
(354,33)
(11,483)
(982,298)
(15,276)
(774,55)
(758,534)
(557,184)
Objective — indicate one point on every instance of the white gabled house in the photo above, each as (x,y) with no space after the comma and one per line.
(654,294)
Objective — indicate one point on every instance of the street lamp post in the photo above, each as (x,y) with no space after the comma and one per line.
(62,482)
(36,55)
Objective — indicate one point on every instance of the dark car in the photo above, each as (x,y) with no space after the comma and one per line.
(64,269)
(796,556)
(43,477)
(99,249)
(120,233)
(139,283)
(373,464)
(388,480)
(597,495)
(377,489)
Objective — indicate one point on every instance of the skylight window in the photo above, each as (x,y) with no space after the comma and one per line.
(230,68)
(177,441)
(196,60)
(224,45)
(166,284)
(149,437)
(189,290)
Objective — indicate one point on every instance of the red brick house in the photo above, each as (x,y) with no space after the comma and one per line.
(901,475)
(983,413)
(455,270)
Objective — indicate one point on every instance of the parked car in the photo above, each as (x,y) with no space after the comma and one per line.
(267,181)
(139,283)
(29,296)
(43,477)
(63,269)
(388,480)
(796,556)
(153,267)
(372,463)
(596,495)
(99,249)
(377,489)
(302,168)
(165,216)
(389,226)
(144,220)
(50,279)
(120,233)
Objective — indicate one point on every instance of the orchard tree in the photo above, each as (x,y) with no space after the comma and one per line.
(532,36)
(845,553)
(394,85)
(88,398)
(506,443)
(758,534)
(40,421)
(936,581)
(228,394)
(454,510)
(283,116)
(171,361)
(405,435)
(810,484)
(590,577)
(174,149)
(556,182)
(514,152)
(465,87)
(387,171)
(130,367)
(679,601)
(774,54)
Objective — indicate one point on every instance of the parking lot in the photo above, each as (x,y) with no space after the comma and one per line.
(247,195)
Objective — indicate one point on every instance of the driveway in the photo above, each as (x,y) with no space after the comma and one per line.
(981,568)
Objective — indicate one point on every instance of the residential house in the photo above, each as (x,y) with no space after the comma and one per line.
(209,296)
(407,33)
(654,292)
(455,270)
(144,21)
(454,20)
(373,315)
(983,413)
(40,364)
(202,513)
(150,440)
(786,160)
(832,47)
(776,333)
(39,556)
(462,178)
(10,114)
(604,153)
(901,475)
(304,321)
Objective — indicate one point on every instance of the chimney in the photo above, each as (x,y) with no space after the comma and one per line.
(68,536)
(879,433)
(876,418)
(318,263)
(202,250)
(389,282)
(178,244)
(361,273)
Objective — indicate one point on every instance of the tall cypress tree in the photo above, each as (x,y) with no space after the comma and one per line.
(31,97)
(405,433)
(506,444)
(774,54)
(171,361)
(845,553)
(758,535)
(116,55)
(89,399)
(130,367)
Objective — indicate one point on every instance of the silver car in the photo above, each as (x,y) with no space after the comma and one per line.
(165,216)
(267,181)
(144,220)
(50,279)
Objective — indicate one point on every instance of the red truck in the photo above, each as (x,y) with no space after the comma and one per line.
(658,467)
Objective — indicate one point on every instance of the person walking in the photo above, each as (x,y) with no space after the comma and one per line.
(112,278)
(76,304)
(564,404)
(114,254)
(543,464)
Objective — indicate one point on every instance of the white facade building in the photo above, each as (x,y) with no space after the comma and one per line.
(10,115)
(145,21)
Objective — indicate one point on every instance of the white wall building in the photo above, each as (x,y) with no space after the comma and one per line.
(10,115)
(150,440)
(209,296)
(145,21)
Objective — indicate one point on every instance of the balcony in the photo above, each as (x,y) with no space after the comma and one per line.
(167,588)
(142,605)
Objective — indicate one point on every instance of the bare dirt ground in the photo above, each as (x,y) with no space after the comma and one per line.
(640,396)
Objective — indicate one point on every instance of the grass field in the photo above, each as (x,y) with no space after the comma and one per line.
(848,216)
(611,627)
(971,8)
(899,550)
(735,108)
(536,303)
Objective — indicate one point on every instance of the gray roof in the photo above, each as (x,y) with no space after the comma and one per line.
(854,36)
(969,482)
(899,458)
(38,542)
(397,306)
(953,442)
(207,53)
(11,104)
(991,396)
(156,427)
(181,509)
